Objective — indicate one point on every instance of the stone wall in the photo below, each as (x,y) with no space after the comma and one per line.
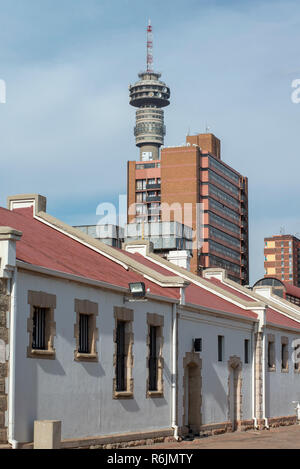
(4,308)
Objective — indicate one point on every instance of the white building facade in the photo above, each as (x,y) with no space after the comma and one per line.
(194,355)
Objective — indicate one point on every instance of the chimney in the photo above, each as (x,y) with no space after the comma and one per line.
(143,247)
(38,202)
(8,239)
(180,258)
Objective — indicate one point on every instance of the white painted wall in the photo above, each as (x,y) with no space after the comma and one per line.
(281,388)
(79,393)
(215,374)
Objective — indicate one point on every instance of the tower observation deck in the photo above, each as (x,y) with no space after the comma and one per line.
(149,95)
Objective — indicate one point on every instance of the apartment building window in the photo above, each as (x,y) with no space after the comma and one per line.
(140,209)
(41,326)
(151,181)
(246,350)
(140,196)
(85,330)
(220,348)
(141,184)
(271,352)
(284,354)
(155,324)
(123,356)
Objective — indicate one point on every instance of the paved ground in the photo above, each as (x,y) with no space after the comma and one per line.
(275,438)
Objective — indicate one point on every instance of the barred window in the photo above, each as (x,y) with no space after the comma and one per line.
(39,329)
(41,326)
(153,359)
(84,339)
(120,371)
(85,330)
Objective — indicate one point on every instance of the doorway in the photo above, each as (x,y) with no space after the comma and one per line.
(192,393)
(235,392)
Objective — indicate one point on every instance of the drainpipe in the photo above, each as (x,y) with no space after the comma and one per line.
(253,378)
(12,362)
(174,371)
(264,378)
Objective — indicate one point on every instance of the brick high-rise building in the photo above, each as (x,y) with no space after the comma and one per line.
(282,258)
(184,176)
(193,174)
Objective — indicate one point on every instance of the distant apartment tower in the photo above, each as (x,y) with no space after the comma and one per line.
(191,174)
(282,258)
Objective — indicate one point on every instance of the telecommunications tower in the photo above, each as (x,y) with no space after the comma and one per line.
(149,95)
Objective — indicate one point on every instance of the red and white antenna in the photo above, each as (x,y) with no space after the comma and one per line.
(149,48)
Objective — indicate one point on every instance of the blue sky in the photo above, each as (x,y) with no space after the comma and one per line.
(66,130)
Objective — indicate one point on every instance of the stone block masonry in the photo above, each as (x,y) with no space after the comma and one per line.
(4,337)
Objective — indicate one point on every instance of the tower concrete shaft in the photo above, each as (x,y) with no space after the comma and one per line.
(149,95)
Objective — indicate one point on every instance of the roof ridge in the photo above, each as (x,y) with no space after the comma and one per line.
(206,284)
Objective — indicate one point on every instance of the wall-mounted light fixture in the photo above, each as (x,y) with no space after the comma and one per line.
(137,292)
(137,289)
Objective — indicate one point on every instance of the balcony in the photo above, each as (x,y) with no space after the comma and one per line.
(153,198)
(152,186)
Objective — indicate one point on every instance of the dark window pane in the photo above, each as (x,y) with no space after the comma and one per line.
(84,333)
(153,359)
(120,372)
(246,351)
(220,348)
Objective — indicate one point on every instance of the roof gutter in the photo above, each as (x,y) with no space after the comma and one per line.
(219,313)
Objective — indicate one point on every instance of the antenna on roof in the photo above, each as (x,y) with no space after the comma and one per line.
(149,47)
(207,128)
(282,230)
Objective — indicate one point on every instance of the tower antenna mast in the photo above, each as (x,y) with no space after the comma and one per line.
(149,47)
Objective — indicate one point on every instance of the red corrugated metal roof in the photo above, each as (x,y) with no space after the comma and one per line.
(44,246)
(277,318)
(226,287)
(201,297)
(197,295)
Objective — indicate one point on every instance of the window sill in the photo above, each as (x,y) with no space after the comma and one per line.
(85,357)
(272,368)
(44,354)
(123,395)
(284,370)
(153,394)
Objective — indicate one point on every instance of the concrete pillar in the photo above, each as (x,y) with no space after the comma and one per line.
(47,434)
